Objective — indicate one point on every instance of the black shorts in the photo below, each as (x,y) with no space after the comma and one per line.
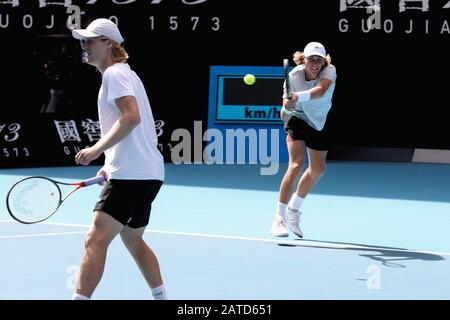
(129,201)
(298,129)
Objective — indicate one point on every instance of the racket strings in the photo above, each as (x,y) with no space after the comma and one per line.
(34,199)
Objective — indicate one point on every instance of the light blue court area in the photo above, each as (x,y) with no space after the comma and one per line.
(372,231)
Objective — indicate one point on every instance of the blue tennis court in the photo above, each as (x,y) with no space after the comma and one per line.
(372,231)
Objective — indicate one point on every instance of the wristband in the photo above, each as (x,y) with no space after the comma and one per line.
(304,96)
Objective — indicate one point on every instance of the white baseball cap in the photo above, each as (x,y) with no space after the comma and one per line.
(97,28)
(314,49)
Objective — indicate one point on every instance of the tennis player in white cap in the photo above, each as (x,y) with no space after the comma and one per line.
(312,86)
(134,167)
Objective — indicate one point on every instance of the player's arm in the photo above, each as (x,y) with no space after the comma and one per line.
(129,118)
(317,92)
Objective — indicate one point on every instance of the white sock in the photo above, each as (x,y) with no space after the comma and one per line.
(295,202)
(77,296)
(281,209)
(159,293)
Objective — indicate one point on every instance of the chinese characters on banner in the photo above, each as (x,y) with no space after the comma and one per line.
(403,5)
(402,17)
(67,130)
(66,3)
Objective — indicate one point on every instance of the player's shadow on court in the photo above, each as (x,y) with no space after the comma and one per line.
(387,256)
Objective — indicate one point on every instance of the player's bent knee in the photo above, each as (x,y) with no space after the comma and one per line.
(317,172)
(128,240)
(131,240)
(94,239)
(295,167)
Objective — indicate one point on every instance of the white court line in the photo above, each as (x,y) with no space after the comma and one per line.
(65,224)
(52,223)
(7,221)
(42,234)
(298,243)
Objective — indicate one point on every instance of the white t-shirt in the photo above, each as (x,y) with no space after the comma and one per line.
(314,111)
(136,157)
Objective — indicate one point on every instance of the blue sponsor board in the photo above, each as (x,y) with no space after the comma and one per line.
(249,112)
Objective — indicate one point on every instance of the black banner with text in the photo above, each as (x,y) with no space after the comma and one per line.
(389,55)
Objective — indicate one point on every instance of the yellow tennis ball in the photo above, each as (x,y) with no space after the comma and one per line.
(249,79)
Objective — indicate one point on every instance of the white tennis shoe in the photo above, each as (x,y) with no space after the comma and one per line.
(279,228)
(293,221)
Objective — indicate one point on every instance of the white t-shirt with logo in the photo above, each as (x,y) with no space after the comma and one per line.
(314,111)
(136,157)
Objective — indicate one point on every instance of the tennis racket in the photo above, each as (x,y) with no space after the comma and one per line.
(286,78)
(35,199)
(286,114)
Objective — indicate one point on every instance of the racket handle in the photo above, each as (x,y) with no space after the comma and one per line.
(93,180)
